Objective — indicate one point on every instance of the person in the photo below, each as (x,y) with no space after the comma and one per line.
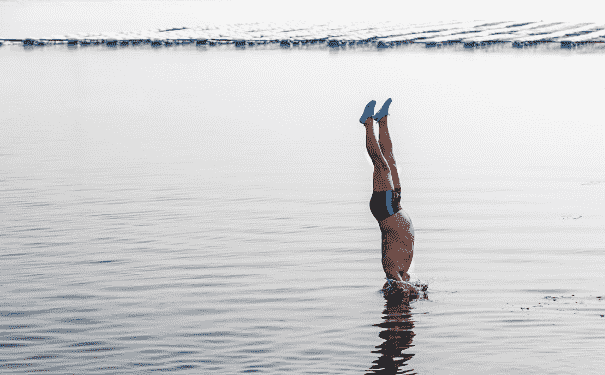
(395,224)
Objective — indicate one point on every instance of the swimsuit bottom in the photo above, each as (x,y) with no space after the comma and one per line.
(385,203)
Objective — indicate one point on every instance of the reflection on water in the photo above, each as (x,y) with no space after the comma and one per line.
(397,333)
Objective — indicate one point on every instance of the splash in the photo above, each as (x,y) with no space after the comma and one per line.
(415,289)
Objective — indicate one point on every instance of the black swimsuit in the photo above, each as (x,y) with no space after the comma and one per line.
(385,203)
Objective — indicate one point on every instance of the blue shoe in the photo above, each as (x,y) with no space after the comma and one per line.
(384,111)
(368,111)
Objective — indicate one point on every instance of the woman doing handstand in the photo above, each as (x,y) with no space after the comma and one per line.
(395,224)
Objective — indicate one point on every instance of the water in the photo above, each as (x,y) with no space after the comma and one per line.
(206,210)
(42,18)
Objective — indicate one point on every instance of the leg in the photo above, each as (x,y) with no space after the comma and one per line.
(382,174)
(387,150)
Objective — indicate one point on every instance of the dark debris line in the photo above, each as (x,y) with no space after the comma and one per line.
(332,43)
(470,35)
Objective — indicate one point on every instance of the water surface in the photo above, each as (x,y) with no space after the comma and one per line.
(206,210)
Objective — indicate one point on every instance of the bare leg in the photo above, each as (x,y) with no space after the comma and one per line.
(382,174)
(387,150)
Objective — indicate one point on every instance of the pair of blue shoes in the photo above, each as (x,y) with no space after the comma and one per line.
(384,111)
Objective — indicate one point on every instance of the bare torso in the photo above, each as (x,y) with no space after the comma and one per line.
(397,245)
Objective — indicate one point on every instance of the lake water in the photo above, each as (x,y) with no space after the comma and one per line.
(43,18)
(206,210)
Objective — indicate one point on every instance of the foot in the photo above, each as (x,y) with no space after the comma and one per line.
(384,111)
(368,111)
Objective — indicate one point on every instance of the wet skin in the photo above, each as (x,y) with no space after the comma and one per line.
(397,230)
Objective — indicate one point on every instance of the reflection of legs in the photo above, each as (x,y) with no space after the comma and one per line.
(387,150)
(382,174)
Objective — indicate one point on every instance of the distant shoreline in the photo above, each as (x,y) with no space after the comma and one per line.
(467,34)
